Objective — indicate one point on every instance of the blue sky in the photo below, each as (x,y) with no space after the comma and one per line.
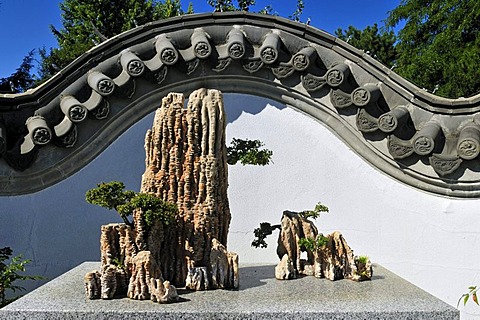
(24,24)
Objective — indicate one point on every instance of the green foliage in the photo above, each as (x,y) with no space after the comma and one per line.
(21,80)
(111,195)
(439,45)
(118,263)
(190,8)
(248,152)
(10,272)
(472,292)
(315,213)
(298,11)
(86,23)
(379,44)
(245,5)
(311,244)
(266,10)
(228,5)
(261,234)
(266,229)
(363,259)
(222,5)
(321,241)
(307,243)
(153,208)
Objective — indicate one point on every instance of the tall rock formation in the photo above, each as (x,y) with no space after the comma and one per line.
(186,164)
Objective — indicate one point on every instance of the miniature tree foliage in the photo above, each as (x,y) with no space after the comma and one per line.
(315,213)
(261,234)
(312,244)
(9,273)
(111,195)
(248,152)
(153,208)
(267,229)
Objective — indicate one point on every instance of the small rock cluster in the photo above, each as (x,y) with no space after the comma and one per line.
(142,282)
(333,260)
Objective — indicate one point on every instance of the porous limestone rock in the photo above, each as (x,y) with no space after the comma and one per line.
(294,227)
(186,164)
(337,258)
(92,285)
(197,279)
(113,281)
(162,292)
(144,269)
(284,269)
(224,266)
(117,245)
(334,260)
(364,269)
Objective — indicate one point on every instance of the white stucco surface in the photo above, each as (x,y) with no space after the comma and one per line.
(429,240)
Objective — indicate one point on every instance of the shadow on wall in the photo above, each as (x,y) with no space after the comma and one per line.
(236,104)
(57,229)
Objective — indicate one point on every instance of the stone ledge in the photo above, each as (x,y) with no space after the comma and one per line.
(260,296)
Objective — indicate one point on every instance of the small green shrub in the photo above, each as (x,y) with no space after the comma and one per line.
(10,272)
(307,243)
(312,244)
(118,263)
(472,292)
(363,259)
(248,152)
(315,213)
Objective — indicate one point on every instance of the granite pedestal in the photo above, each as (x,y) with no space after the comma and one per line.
(260,296)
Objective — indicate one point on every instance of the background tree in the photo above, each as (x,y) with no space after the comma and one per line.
(244,5)
(85,23)
(22,79)
(379,44)
(248,152)
(439,46)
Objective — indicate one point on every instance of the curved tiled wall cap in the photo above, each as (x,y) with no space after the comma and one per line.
(422,140)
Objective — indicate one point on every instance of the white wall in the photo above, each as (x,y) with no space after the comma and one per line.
(429,240)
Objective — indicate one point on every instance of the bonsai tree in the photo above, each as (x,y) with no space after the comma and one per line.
(267,229)
(111,195)
(248,152)
(153,208)
(9,273)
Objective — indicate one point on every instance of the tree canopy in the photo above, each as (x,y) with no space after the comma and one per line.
(85,23)
(439,45)
(22,79)
(379,44)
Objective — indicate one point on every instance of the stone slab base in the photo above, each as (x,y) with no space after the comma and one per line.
(260,296)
